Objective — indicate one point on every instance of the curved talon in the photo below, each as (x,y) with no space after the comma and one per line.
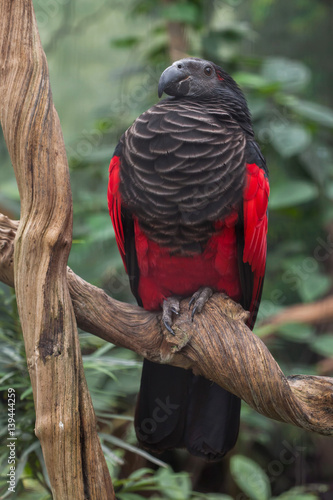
(192,300)
(168,327)
(199,299)
(170,306)
(194,310)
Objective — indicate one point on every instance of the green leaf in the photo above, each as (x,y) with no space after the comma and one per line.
(129,496)
(302,492)
(26,393)
(250,477)
(313,286)
(297,496)
(250,80)
(140,473)
(175,486)
(289,139)
(23,459)
(112,457)
(314,112)
(296,332)
(126,446)
(212,496)
(126,42)
(323,345)
(260,9)
(292,75)
(182,12)
(6,377)
(292,193)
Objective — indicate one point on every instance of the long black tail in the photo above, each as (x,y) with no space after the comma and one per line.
(177,409)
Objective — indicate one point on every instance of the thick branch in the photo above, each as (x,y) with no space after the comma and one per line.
(217,344)
(65,420)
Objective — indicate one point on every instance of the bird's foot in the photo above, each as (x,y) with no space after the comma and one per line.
(170,306)
(199,299)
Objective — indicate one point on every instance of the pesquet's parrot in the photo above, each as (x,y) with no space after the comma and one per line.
(188,193)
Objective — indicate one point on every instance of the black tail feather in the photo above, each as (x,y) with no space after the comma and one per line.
(212,420)
(177,409)
(161,409)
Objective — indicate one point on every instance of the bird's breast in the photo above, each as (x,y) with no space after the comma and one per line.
(182,170)
(163,274)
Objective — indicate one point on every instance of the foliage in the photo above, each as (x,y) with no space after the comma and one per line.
(285,88)
(255,483)
(14,375)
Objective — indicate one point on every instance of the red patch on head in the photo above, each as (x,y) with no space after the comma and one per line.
(219,76)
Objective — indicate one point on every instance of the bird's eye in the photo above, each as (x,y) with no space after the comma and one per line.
(208,70)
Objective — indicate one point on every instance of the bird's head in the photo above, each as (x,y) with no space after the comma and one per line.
(204,81)
(193,77)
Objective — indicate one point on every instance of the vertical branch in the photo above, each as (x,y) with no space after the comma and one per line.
(178,42)
(65,421)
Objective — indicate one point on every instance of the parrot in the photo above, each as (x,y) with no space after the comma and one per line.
(188,197)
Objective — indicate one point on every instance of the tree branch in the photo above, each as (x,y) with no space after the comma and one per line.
(317,312)
(177,37)
(65,420)
(217,345)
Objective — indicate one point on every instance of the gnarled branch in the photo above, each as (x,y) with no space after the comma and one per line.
(217,345)
(65,420)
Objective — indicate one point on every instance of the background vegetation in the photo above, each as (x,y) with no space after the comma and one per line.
(105,60)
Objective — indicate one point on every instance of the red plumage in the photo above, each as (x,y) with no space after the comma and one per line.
(163,275)
(114,203)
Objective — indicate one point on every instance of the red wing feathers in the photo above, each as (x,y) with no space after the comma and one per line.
(256,195)
(114,203)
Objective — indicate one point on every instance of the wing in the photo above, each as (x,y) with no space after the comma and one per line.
(114,202)
(123,223)
(252,231)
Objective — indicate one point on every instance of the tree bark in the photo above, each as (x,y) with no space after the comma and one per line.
(217,345)
(65,420)
(177,37)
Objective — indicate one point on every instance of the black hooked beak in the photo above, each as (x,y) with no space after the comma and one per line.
(174,81)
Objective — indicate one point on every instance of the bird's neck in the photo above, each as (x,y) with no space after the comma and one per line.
(226,102)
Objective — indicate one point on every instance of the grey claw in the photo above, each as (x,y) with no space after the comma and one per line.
(199,299)
(192,300)
(168,327)
(194,310)
(170,306)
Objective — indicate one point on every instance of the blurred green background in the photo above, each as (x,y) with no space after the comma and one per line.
(105,59)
